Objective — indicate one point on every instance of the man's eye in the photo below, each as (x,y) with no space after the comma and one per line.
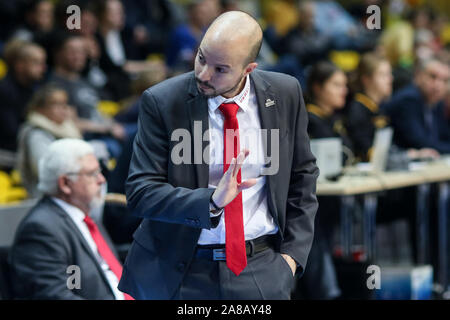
(220,70)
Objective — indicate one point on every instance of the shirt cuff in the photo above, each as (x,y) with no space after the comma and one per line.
(213,215)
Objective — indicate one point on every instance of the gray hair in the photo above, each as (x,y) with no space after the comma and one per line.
(62,156)
(422,65)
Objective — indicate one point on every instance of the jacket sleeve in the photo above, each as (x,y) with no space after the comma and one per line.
(410,128)
(149,193)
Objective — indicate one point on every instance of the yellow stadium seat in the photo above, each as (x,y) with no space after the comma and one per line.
(5,185)
(5,181)
(445,36)
(10,189)
(16,179)
(16,194)
(3,69)
(346,60)
(108,108)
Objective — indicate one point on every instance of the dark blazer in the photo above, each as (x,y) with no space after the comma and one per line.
(363,119)
(47,241)
(14,98)
(174,199)
(407,112)
(321,125)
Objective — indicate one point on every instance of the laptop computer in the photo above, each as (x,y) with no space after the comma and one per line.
(328,153)
(381,145)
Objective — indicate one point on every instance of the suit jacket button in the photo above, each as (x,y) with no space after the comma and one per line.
(181,266)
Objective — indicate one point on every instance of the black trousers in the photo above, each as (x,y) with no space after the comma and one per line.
(267,276)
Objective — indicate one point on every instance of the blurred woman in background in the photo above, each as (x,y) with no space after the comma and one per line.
(326,95)
(372,85)
(49,118)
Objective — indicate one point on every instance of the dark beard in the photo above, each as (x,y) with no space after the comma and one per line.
(215,93)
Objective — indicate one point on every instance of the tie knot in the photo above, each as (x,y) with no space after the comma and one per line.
(89,222)
(229,110)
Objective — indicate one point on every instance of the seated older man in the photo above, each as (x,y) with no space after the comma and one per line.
(417,111)
(59,252)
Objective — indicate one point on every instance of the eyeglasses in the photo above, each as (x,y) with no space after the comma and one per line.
(91,174)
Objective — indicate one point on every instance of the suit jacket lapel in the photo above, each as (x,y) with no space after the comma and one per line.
(80,237)
(269,117)
(198,122)
(267,107)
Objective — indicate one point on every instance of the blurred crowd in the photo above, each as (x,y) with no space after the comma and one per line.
(355,79)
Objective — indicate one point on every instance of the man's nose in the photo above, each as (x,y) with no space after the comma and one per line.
(205,74)
(101,179)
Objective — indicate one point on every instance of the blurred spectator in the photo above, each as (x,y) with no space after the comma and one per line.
(327,90)
(185,38)
(59,232)
(9,15)
(117,48)
(70,60)
(305,41)
(426,43)
(149,23)
(373,84)
(39,20)
(128,116)
(410,40)
(417,111)
(326,95)
(26,65)
(92,71)
(397,43)
(113,56)
(332,20)
(49,118)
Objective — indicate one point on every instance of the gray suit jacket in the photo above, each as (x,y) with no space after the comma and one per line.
(47,242)
(174,198)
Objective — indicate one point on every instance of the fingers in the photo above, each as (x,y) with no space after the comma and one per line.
(231,168)
(247,184)
(238,164)
(240,160)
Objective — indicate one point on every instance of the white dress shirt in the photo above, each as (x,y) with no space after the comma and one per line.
(257,219)
(77,217)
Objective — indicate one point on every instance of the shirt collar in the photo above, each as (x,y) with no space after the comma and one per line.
(74,212)
(241,99)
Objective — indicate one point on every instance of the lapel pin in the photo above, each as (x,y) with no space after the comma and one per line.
(269,103)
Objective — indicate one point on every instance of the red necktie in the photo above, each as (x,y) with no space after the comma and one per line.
(234,225)
(104,250)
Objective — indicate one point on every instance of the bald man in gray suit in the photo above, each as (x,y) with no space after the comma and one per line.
(188,188)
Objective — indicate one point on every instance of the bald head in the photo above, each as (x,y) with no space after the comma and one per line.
(236,28)
(227,54)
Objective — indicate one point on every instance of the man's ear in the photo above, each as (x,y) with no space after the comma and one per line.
(63,185)
(250,67)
